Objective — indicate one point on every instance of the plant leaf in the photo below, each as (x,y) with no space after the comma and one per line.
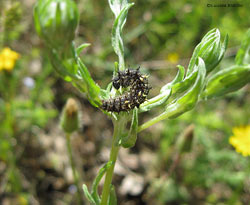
(179,88)
(130,139)
(94,192)
(116,38)
(93,90)
(190,98)
(87,194)
(179,77)
(81,47)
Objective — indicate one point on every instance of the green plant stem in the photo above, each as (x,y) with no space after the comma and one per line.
(151,122)
(73,167)
(118,128)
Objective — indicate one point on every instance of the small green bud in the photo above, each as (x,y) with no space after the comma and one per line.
(226,81)
(210,49)
(56,22)
(70,116)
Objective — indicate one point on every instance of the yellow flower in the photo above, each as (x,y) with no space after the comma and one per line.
(8,59)
(241,139)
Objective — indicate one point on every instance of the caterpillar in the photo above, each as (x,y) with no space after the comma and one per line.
(139,89)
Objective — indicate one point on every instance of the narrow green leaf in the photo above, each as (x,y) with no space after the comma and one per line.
(130,139)
(116,38)
(117,29)
(179,77)
(81,47)
(94,192)
(93,90)
(190,98)
(243,54)
(87,194)
(182,86)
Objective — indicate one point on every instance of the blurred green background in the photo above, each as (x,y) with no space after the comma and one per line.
(159,34)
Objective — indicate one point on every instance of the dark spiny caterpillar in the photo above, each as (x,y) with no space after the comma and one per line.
(126,78)
(137,94)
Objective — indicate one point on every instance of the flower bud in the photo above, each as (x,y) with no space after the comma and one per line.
(70,116)
(226,81)
(210,49)
(56,22)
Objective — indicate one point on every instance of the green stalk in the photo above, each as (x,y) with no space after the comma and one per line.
(73,167)
(118,129)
